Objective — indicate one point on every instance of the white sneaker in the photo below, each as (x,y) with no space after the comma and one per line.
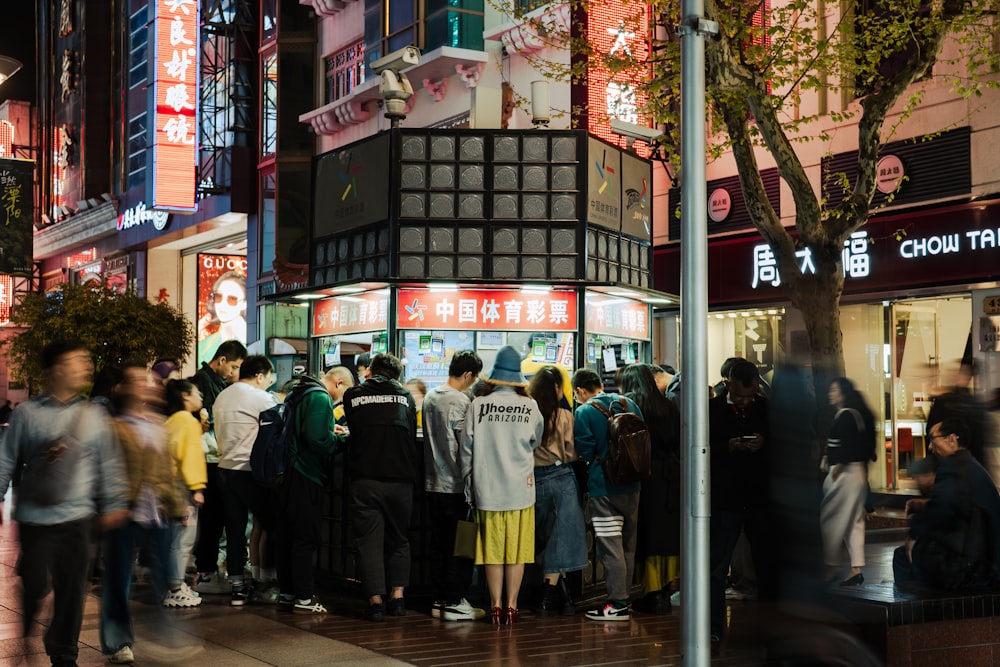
(190,591)
(609,612)
(463,611)
(179,599)
(122,656)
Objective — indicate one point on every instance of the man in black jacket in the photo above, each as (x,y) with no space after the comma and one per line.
(955,533)
(383,459)
(211,379)
(739,435)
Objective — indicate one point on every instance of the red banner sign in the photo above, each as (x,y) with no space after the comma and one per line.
(175,149)
(351,314)
(615,316)
(486,310)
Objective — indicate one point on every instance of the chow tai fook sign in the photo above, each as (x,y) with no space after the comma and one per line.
(616,316)
(175,146)
(486,310)
(955,245)
(354,313)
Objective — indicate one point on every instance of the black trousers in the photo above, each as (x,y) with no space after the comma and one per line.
(241,496)
(380,514)
(450,576)
(211,521)
(60,552)
(298,533)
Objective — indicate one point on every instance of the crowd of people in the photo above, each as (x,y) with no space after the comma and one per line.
(510,466)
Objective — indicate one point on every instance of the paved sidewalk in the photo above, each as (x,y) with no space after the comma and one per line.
(213,634)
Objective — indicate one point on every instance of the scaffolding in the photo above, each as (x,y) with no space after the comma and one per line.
(228,79)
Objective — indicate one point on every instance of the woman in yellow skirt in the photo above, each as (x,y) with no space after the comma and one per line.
(503,426)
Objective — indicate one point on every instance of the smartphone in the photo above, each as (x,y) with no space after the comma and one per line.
(748,437)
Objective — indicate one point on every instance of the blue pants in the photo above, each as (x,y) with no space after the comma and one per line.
(119,552)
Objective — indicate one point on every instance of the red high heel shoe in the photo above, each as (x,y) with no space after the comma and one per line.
(497,617)
(509,616)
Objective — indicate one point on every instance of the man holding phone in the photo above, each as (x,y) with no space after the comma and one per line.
(739,433)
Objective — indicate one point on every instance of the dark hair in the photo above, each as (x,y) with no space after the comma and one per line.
(386,365)
(854,400)
(542,388)
(364,359)
(228,276)
(957,427)
(660,415)
(744,373)
(231,350)
(53,353)
(255,363)
(727,367)
(176,389)
(667,368)
(588,379)
(465,361)
(105,382)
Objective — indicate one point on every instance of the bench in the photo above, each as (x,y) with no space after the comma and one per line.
(920,628)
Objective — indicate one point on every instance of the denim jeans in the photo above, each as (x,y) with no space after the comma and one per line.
(119,554)
(560,531)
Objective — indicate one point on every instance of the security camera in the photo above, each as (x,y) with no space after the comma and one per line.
(634,131)
(397,60)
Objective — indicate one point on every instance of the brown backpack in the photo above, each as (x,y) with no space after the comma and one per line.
(628,459)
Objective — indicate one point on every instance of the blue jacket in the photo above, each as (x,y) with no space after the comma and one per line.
(590,432)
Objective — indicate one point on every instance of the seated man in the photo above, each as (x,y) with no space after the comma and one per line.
(954,534)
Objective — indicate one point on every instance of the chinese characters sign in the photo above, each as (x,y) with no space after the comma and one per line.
(351,314)
(176,94)
(484,310)
(617,317)
(857,263)
(16,216)
(616,30)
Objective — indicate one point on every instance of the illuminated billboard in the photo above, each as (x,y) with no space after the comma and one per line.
(616,30)
(175,91)
(222,302)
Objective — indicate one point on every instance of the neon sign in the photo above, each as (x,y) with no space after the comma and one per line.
(613,29)
(175,147)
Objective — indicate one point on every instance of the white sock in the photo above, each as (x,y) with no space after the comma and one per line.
(255,572)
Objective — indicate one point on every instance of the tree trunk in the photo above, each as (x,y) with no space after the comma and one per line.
(818,299)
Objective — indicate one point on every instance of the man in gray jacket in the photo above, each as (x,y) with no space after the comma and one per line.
(71,471)
(444,422)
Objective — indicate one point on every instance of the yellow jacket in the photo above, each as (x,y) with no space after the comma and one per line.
(184,435)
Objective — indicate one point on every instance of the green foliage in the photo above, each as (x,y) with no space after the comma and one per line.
(116,327)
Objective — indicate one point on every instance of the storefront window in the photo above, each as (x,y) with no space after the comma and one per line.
(269,100)
(267,219)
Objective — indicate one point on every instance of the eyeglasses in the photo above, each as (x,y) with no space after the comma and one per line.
(935,436)
(231,299)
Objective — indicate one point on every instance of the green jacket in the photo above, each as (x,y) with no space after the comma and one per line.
(312,434)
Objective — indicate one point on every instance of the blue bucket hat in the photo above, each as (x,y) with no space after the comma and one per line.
(507,368)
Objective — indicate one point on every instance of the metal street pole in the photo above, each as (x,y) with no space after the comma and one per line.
(696,481)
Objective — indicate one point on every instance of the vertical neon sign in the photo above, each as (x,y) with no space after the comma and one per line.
(615,30)
(175,147)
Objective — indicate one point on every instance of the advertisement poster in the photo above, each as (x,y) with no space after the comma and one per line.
(222,302)
(16,216)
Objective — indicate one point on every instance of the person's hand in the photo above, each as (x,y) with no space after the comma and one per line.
(914,505)
(340,430)
(736,444)
(909,544)
(112,520)
(835,471)
(198,498)
(755,443)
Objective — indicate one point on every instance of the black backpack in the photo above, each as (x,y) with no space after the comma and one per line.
(629,449)
(272,457)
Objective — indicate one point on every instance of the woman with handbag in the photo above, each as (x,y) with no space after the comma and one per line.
(503,427)
(560,532)
(850,446)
